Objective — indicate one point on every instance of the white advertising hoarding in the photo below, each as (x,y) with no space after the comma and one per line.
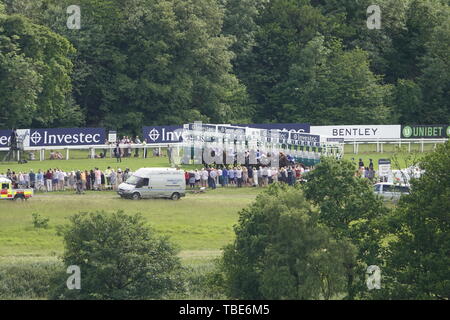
(357,132)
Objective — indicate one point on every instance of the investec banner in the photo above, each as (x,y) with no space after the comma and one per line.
(358,131)
(5,136)
(67,137)
(283,127)
(425,131)
(167,134)
(162,134)
(22,134)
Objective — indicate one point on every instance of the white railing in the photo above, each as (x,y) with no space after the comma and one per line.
(400,142)
(110,147)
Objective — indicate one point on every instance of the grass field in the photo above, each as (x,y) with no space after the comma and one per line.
(199,224)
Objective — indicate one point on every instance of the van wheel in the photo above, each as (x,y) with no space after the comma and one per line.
(136,196)
(19,197)
(175,196)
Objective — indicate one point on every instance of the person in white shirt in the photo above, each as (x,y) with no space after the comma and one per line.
(213,176)
(26,176)
(55,180)
(219,176)
(21,179)
(239,177)
(61,177)
(255,177)
(204,177)
(197,178)
(265,176)
(274,175)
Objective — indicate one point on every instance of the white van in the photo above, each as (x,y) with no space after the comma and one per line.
(391,191)
(154,183)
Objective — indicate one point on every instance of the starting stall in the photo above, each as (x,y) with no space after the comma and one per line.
(231,145)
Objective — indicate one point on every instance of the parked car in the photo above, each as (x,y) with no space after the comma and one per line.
(391,191)
(154,183)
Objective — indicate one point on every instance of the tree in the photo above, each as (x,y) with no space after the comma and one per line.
(328,85)
(349,207)
(408,101)
(418,256)
(35,70)
(119,258)
(152,62)
(284,27)
(281,251)
(435,78)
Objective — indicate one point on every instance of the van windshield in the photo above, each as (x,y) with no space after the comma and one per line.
(134,180)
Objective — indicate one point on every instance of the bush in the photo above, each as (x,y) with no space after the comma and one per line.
(281,251)
(119,258)
(40,222)
(27,281)
(201,282)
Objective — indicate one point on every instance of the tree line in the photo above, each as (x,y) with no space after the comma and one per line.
(148,62)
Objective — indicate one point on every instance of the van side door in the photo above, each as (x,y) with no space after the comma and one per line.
(389,192)
(143,187)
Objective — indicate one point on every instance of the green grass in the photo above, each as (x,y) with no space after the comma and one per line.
(368,151)
(83,164)
(199,224)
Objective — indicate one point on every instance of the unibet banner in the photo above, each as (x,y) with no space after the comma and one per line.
(425,131)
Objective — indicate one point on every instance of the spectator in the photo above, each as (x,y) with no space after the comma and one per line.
(213,176)
(117,152)
(32,176)
(49,180)
(113,179)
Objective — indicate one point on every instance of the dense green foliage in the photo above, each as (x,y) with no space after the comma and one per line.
(417,260)
(119,258)
(27,280)
(318,240)
(349,207)
(282,251)
(142,62)
(35,73)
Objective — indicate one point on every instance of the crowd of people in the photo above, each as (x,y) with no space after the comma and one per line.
(60,180)
(244,176)
(208,177)
(366,172)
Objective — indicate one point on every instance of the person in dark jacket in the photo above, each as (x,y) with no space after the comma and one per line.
(117,152)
